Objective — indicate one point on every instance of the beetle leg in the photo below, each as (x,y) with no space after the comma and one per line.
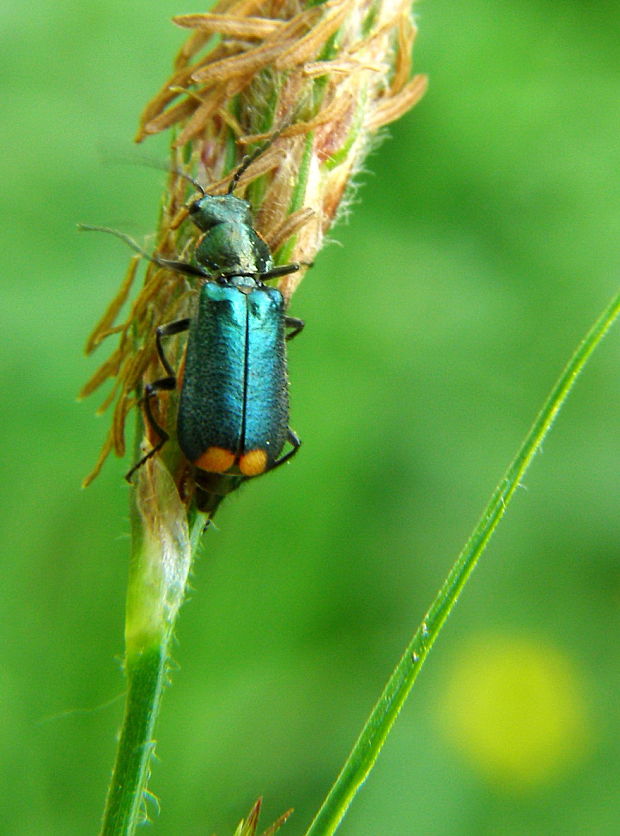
(297,326)
(179,267)
(164,384)
(169,330)
(295,442)
(283,270)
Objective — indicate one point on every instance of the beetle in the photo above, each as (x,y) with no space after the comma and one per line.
(232,420)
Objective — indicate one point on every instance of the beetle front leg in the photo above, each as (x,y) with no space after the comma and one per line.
(282,270)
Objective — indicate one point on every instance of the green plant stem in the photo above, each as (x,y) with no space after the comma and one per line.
(145,678)
(370,742)
(162,553)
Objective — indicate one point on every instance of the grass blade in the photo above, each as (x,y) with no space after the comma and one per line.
(370,742)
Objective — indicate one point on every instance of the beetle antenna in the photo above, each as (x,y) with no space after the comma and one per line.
(158,164)
(169,264)
(126,238)
(198,186)
(248,159)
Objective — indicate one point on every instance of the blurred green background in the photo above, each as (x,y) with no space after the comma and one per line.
(483,242)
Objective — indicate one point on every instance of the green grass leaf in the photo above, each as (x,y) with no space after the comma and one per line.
(374,734)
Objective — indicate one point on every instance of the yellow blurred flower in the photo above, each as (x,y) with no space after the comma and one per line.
(515,707)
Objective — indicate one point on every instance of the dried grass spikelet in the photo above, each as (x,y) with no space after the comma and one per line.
(326,75)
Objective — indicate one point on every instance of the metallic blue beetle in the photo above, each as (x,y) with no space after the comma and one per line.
(232,421)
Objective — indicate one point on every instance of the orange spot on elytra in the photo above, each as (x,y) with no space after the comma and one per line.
(215,460)
(253,463)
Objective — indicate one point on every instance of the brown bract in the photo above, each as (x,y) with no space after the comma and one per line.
(326,76)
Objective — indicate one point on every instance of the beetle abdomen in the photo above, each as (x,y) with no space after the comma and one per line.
(233,409)
(211,402)
(266,398)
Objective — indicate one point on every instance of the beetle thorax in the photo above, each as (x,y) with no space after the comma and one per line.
(232,247)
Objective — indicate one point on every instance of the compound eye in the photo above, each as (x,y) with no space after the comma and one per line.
(194,207)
